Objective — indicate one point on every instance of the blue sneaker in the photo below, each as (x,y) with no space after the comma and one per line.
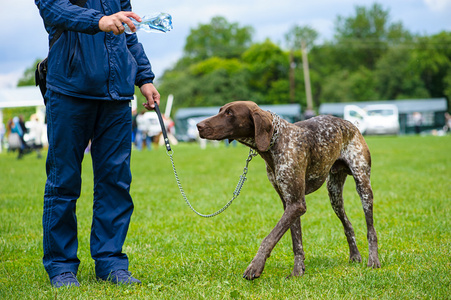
(65,279)
(121,277)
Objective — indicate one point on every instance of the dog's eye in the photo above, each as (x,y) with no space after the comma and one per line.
(228,112)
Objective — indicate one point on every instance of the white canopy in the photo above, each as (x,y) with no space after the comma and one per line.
(20,96)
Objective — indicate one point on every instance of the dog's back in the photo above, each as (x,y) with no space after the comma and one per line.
(326,127)
(319,144)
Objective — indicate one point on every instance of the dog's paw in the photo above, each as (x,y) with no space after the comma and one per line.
(355,257)
(373,262)
(254,270)
(298,269)
(296,273)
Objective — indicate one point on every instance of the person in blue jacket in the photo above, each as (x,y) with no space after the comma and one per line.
(92,70)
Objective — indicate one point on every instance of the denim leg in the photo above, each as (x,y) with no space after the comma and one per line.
(149,142)
(68,130)
(139,140)
(113,206)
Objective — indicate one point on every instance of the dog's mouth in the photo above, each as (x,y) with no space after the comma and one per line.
(205,131)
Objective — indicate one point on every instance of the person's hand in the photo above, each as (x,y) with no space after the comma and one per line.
(150,92)
(114,22)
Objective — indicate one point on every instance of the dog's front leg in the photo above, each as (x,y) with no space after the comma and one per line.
(292,212)
(296,231)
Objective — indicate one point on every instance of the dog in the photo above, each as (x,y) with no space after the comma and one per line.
(299,158)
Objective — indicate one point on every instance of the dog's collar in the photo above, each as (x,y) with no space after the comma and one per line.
(275,125)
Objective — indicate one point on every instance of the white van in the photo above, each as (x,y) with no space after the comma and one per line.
(374,119)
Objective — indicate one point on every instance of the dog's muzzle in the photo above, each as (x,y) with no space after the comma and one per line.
(204,130)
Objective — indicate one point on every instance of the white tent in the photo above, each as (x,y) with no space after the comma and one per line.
(21,97)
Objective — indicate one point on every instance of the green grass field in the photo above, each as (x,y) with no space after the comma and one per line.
(179,255)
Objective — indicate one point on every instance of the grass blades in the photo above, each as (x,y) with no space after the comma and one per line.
(178,255)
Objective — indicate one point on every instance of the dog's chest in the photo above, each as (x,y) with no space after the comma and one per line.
(300,156)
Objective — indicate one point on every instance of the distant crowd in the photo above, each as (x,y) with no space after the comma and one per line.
(23,137)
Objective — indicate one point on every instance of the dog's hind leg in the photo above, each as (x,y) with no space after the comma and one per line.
(335,183)
(362,179)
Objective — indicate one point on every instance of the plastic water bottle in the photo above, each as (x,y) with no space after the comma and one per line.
(160,22)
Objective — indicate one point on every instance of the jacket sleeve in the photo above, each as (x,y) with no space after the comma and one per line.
(144,74)
(63,14)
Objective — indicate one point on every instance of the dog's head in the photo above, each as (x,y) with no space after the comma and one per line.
(237,121)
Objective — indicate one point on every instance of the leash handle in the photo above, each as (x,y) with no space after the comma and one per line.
(163,128)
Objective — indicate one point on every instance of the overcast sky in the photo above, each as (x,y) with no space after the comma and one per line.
(23,38)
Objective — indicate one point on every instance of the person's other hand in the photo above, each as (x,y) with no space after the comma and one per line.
(114,22)
(150,92)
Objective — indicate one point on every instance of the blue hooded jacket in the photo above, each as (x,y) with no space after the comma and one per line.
(86,62)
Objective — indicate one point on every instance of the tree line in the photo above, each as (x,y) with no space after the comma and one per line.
(368,58)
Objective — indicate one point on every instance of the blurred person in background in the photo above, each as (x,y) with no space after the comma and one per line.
(16,137)
(35,132)
(2,135)
(417,121)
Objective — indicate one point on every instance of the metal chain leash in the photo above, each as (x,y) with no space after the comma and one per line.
(170,153)
(236,193)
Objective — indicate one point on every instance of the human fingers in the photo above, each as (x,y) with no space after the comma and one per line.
(152,96)
(115,22)
(156,97)
(130,14)
(125,18)
(150,104)
(110,23)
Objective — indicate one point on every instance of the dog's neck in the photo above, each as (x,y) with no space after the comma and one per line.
(250,142)
(275,124)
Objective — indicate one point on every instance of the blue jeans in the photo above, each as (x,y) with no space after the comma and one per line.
(71,123)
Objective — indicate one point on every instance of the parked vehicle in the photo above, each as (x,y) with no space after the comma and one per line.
(374,119)
(192,132)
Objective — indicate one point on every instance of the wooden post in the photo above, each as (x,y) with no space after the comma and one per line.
(292,80)
(308,89)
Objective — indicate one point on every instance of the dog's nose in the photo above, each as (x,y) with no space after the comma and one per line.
(200,126)
(203,129)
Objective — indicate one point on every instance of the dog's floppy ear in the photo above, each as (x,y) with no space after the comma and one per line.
(263,129)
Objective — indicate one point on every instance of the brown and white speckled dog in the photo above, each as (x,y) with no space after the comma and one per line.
(299,158)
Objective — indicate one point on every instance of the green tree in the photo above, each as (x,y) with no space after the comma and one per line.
(218,81)
(348,86)
(218,38)
(432,59)
(214,81)
(211,71)
(299,34)
(369,58)
(396,77)
(267,64)
(28,76)
(362,39)
(300,38)
(359,63)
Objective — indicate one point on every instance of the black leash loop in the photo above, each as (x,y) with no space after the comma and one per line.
(163,128)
